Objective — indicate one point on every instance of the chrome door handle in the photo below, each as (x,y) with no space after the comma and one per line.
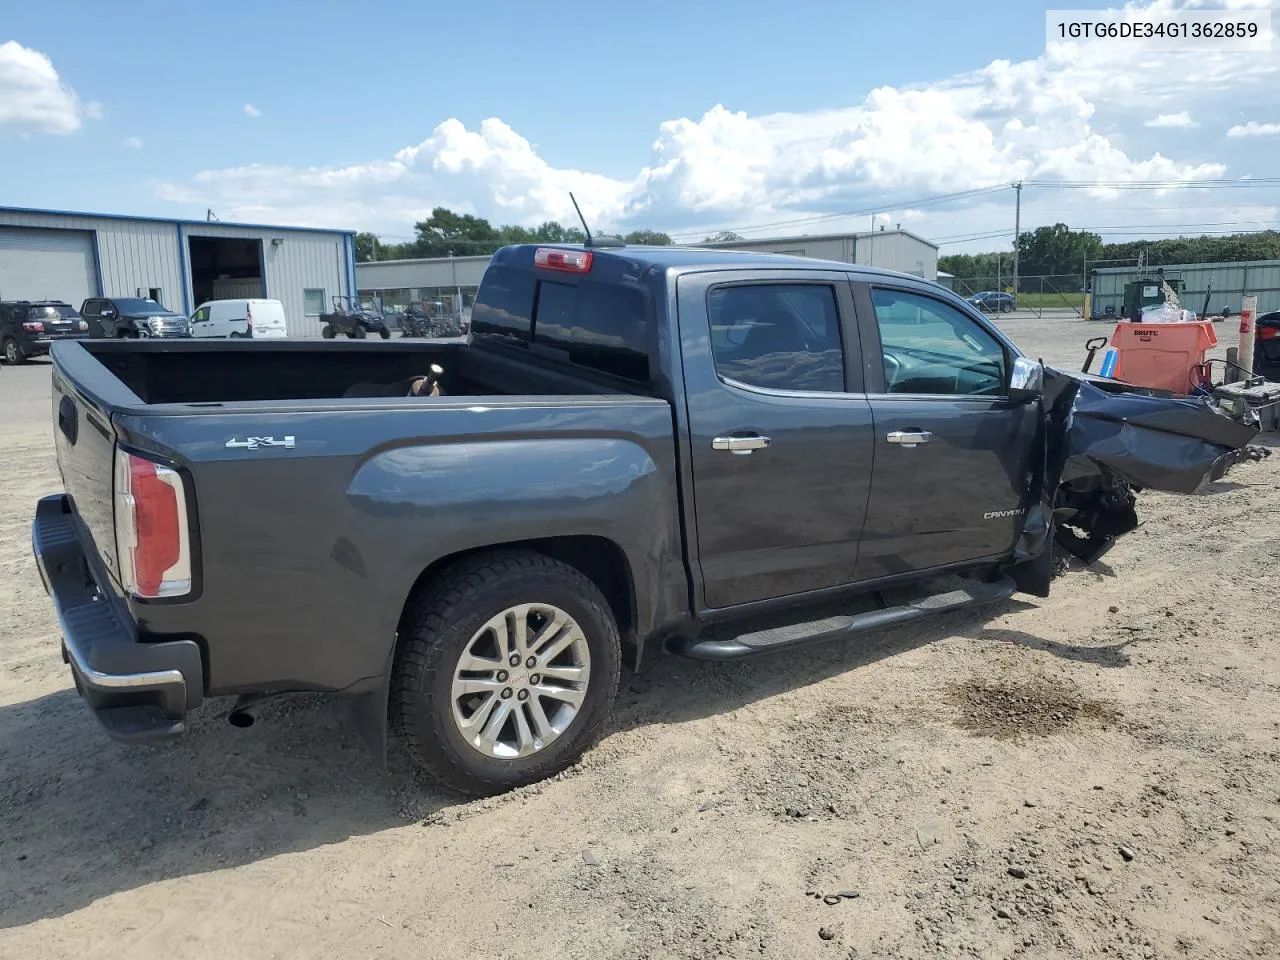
(739,445)
(909,438)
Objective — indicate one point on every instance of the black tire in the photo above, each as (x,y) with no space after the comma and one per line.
(13,352)
(438,627)
(384,333)
(358,332)
(1006,306)
(235,336)
(327,332)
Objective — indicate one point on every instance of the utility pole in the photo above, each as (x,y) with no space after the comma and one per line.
(1017,230)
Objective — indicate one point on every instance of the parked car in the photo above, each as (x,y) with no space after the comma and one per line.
(1266,345)
(636,447)
(991,301)
(131,318)
(28,328)
(233,319)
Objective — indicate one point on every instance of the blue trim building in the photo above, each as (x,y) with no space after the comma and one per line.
(71,255)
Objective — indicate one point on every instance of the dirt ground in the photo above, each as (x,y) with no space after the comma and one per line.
(1095,775)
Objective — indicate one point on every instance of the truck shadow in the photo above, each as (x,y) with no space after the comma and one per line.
(673,689)
(85,818)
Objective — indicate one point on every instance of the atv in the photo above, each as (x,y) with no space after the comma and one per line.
(352,319)
(422,320)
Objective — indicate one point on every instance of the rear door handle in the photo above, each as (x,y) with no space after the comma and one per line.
(739,445)
(909,438)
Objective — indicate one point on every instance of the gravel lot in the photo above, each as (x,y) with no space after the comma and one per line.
(1095,775)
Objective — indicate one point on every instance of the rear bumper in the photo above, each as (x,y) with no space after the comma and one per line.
(39,346)
(140,692)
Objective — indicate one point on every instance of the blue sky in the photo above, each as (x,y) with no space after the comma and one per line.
(771,114)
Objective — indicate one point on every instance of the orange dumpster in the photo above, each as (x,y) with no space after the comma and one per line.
(1162,356)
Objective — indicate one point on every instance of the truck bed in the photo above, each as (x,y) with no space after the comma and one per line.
(309,537)
(223,372)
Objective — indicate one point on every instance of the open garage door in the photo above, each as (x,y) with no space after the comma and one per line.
(47,265)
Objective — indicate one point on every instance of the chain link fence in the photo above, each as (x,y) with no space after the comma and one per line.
(1040,296)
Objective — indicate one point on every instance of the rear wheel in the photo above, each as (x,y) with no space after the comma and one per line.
(1006,306)
(13,352)
(506,671)
(327,332)
(235,335)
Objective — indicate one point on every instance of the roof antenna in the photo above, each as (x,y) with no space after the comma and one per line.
(596,242)
(585,228)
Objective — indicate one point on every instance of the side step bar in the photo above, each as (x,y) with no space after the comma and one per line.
(831,628)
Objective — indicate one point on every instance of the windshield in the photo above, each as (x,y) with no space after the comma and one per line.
(139,305)
(58,311)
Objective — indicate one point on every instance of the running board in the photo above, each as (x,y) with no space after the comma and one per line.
(831,628)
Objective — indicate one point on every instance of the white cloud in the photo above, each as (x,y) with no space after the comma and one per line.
(1073,113)
(1173,121)
(1254,129)
(133,143)
(33,98)
(251,111)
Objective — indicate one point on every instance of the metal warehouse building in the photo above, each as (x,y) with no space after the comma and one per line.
(401,282)
(1230,283)
(56,255)
(898,250)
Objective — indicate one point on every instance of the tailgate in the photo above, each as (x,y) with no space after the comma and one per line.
(85,443)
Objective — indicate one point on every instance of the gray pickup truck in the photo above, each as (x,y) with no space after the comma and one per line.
(718,454)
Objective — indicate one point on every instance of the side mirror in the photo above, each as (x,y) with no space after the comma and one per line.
(1026,381)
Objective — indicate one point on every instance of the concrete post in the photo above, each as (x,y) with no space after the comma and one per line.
(1248,312)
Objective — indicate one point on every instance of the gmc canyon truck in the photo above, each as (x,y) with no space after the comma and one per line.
(716,454)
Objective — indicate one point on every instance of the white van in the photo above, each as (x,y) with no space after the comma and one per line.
(239,318)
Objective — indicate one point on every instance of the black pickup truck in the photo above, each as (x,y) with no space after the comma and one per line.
(719,454)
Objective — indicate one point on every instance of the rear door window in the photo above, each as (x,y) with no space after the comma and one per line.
(781,336)
(504,304)
(603,326)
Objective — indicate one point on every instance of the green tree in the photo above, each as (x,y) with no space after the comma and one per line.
(1056,250)
(446,233)
(366,247)
(463,235)
(647,238)
(724,236)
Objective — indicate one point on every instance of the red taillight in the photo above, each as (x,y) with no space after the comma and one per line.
(153,542)
(33,326)
(1268,333)
(569,261)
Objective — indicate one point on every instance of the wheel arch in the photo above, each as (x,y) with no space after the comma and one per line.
(599,559)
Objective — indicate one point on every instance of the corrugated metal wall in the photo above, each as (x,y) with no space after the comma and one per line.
(302,261)
(891,250)
(410,274)
(133,255)
(1231,281)
(886,249)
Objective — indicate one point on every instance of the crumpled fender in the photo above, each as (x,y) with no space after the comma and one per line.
(1146,438)
(1104,441)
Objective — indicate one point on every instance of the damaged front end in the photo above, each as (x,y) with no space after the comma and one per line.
(1105,442)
